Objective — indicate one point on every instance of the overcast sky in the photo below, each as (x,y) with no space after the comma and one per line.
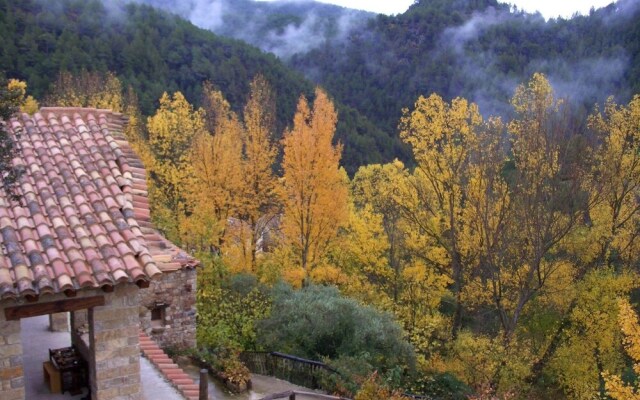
(548,8)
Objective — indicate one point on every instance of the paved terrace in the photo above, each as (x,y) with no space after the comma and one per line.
(37,340)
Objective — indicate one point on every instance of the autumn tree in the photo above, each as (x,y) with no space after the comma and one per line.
(258,197)
(443,138)
(315,191)
(616,184)
(11,97)
(171,132)
(389,260)
(536,205)
(87,89)
(375,186)
(28,104)
(628,322)
(216,159)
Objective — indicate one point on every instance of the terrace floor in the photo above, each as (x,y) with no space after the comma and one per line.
(36,342)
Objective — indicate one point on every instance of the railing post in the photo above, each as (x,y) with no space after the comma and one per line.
(292,396)
(204,385)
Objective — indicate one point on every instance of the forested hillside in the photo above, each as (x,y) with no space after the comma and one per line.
(478,49)
(154,52)
(499,262)
(283,28)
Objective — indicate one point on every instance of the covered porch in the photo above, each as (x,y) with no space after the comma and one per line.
(37,339)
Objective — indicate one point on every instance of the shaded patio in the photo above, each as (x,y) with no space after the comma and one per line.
(37,339)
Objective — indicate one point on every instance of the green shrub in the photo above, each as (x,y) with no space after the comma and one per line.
(317,322)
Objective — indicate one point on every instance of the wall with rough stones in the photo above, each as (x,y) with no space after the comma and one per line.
(113,351)
(59,322)
(114,348)
(175,295)
(11,368)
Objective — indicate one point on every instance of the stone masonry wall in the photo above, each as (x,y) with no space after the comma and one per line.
(113,339)
(59,322)
(113,351)
(11,368)
(175,295)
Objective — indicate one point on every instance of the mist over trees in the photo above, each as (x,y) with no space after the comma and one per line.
(489,248)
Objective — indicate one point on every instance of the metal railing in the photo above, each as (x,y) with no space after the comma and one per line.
(291,395)
(294,369)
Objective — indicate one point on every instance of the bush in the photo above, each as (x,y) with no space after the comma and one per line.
(318,323)
(228,310)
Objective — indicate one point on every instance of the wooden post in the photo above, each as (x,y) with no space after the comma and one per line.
(292,396)
(204,385)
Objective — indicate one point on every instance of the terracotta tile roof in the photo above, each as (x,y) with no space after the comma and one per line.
(83,217)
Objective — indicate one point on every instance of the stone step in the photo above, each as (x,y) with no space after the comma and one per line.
(168,368)
(179,376)
(154,352)
(167,365)
(191,393)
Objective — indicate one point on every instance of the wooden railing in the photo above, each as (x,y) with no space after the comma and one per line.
(294,369)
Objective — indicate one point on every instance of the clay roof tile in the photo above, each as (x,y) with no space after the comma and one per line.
(82,192)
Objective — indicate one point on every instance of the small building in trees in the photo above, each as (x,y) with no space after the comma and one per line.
(79,240)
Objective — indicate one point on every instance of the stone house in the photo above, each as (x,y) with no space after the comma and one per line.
(79,240)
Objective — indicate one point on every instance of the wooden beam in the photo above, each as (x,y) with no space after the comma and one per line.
(33,310)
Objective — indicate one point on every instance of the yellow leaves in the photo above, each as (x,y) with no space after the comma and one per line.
(615,185)
(315,192)
(535,149)
(173,127)
(481,361)
(437,128)
(591,340)
(328,275)
(618,390)
(216,157)
(536,96)
(259,192)
(87,89)
(628,320)
(28,104)
(171,133)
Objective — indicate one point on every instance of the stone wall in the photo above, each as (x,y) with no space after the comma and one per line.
(59,322)
(113,351)
(11,369)
(113,341)
(174,299)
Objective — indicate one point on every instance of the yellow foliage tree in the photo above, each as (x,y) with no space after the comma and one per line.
(315,191)
(443,138)
(384,244)
(258,201)
(628,320)
(216,157)
(87,89)
(28,104)
(171,133)
(616,183)
(590,342)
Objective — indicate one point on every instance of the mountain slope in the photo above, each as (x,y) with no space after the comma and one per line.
(478,49)
(283,28)
(154,52)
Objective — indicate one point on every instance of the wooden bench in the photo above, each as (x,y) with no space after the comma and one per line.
(52,377)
